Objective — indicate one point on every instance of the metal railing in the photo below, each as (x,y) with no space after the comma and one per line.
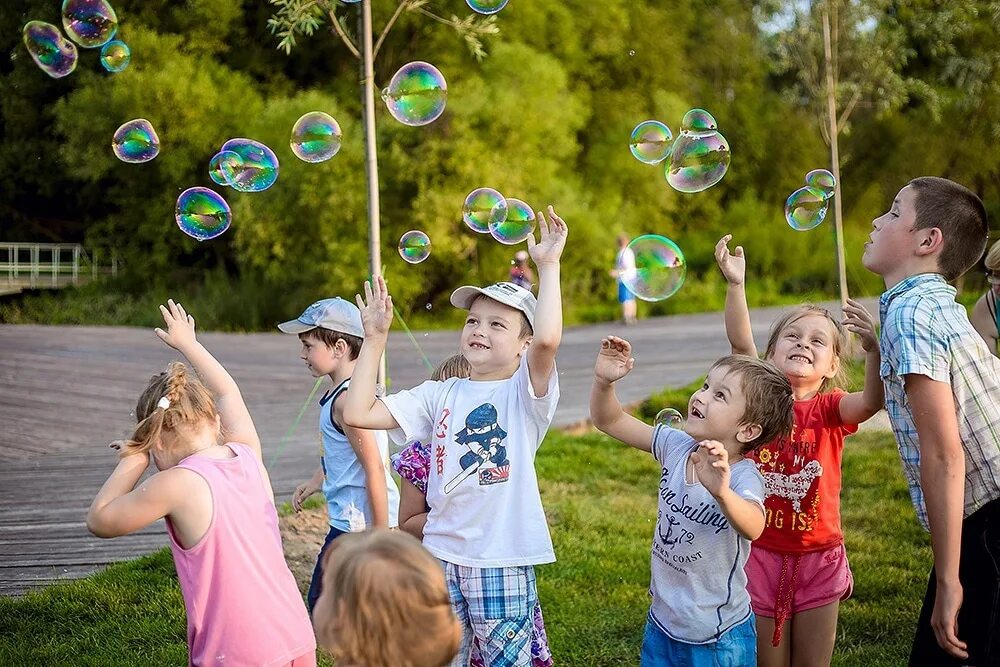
(49,265)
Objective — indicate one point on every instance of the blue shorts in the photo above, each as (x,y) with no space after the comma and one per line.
(316,585)
(737,647)
(624,294)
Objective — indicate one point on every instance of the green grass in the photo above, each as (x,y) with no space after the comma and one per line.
(600,498)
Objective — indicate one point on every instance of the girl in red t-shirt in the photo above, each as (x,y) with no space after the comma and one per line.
(798,568)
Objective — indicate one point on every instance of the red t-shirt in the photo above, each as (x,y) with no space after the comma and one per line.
(802,478)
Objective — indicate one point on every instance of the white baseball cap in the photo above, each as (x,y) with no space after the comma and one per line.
(334,314)
(506,293)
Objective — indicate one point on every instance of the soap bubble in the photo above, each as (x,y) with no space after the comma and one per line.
(651,141)
(224,167)
(822,180)
(136,141)
(55,54)
(414,246)
(700,156)
(669,417)
(484,206)
(806,208)
(631,53)
(659,271)
(416,95)
(202,214)
(115,56)
(89,23)
(315,137)
(486,6)
(517,226)
(259,169)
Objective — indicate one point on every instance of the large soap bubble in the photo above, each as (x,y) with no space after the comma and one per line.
(700,156)
(89,23)
(259,169)
(483,207)
(823,180)
(55,54)
(659,270)
(316,137)
(416,95)
(414,246)
(136,141)
(202,214)
(651,141)
(517,226)
(806,208)
(486,6)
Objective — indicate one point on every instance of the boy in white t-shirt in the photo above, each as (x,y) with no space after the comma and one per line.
(486,522)
(711,503)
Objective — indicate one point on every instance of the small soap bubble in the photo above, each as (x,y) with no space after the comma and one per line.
(136,141)
(659,270)
(259,169)
(697,121)
(55,54)
(316,137)
(631,53)
(414,246)
(202,214)
(486,6)
(651,141)
(806,208)
(416,94)
(517,226)
(700,155)
(428,307)
(823,180)
(484,206)
(115,55)
(670,418)
(224,167)
(89,23)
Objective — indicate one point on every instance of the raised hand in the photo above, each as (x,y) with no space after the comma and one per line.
(180,327)
(614,360)
(733,265)
(552,239)
(711,465)
(376,308)
(858,320)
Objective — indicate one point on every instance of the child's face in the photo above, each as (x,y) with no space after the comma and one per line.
(491,337)
(892,241)
(715,412)
(805,349)
(320,358)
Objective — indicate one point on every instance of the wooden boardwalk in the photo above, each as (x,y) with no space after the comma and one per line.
(65,392)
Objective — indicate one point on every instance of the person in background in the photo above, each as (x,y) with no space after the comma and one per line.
(520,271)
(985,314)
(624,269)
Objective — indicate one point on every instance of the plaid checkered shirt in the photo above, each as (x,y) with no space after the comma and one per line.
(925,332)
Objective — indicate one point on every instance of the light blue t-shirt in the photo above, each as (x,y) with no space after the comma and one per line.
(698,584)
(344,483)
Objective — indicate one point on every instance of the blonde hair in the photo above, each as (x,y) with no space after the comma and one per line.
(191,404)
(455,366)
(839,339)
(993,257)
(385,603)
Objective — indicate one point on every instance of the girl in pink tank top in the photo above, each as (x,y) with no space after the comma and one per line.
(243,607)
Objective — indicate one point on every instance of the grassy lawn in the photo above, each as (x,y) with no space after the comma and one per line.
(600,497)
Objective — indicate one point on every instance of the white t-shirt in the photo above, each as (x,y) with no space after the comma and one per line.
(482,489)
(698,584)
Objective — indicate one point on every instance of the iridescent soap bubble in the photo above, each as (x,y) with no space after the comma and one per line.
(136,141)
(659,271)
(416,95)
(89,23)
(806,208)
(55,54)
(486,6)
(669,417)
(700,156)
(651,141)
(316,137)
(821,179)
(224,167)
(484,206)
(202,214)
(414,246)
(115,55)
(259,169)
(517,226)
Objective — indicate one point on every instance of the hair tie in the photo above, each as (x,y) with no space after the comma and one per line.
(163,403)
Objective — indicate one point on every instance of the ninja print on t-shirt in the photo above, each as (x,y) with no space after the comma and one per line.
(487,456)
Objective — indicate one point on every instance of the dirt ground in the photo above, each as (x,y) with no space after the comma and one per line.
(302,535)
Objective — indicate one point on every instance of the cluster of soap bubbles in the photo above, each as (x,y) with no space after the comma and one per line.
(696,160)
(509,221)
(806,208)
(89,23)
(652,267)
(669,417)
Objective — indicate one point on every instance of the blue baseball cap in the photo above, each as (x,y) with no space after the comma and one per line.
(334,314)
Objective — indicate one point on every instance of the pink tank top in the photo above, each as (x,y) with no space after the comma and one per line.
(243,607)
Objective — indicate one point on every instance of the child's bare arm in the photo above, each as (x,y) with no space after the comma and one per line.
(711,465)
(307,488)
(733,267)
(412,509)
(180,335)
(614,361)
(859,406)
(366,449)
(548,313)
(120,508)
(361,407)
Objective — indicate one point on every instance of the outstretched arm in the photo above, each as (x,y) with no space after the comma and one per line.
(711,465)
(614,361)
(859,406)
(733,267)
(547,332)
(180,335)
(361,407)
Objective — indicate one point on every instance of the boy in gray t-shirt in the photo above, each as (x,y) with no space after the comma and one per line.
(710,503)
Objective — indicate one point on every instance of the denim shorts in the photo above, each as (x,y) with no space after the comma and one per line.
(737,647)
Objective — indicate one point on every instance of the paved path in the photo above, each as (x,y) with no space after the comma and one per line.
(65,392)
